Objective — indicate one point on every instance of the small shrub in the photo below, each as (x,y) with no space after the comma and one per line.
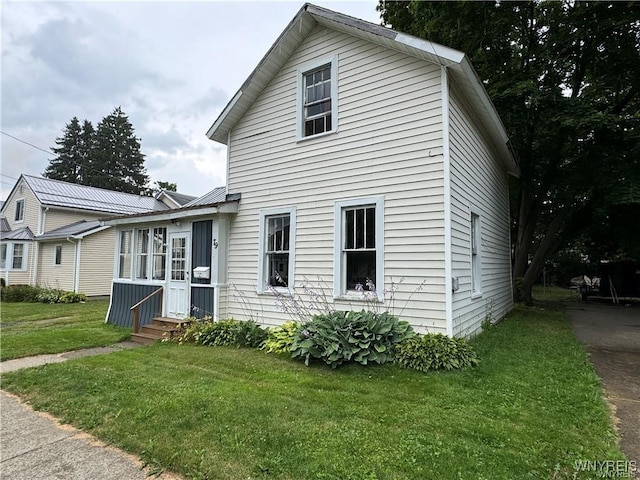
(20,293)
(280,339)
(72,297)
(337,337)
(50,295)
(230,333)
(435,351)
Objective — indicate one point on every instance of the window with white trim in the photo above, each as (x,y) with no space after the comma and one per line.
(159,252)
(18,256)
(317,98)
(277,249)
(359,245)
(124,264)
(3,255)
(476,283)
(58,255)
(142,253)
(19,214)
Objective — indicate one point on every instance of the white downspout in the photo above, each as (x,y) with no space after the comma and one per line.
(76,262)
(444,80)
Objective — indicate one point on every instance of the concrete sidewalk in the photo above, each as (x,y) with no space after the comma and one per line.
(35,446)
(611,334)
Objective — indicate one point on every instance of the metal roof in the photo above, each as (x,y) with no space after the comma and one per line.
(216,195)
(73,229)
(57,193)
(309,16)
(23,233)
(4,225)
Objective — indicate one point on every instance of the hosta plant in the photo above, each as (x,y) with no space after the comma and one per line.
(435,351)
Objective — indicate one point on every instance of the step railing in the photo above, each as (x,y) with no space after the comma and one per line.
(135,310)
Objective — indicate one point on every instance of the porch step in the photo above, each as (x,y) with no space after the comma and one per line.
(159,328)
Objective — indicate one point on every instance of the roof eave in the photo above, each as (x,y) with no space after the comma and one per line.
(179,214)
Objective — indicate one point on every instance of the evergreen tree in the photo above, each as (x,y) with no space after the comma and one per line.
(72,153)
(116,160)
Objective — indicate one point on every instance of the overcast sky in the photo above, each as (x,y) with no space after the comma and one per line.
(171,66)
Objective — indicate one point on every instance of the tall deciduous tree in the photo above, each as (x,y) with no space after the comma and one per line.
(117,161)
(565,78)
(73,152)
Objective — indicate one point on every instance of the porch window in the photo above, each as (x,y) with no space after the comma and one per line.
(277,248)
(142,253)
(124,269)
(159,252)
(19,214)
(18,256)
(58,255)
(359,244)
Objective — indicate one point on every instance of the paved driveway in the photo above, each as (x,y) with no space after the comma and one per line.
(611,334)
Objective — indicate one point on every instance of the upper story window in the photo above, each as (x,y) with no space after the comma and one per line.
(19,215)
(277,248)
(317,98)
(359,245)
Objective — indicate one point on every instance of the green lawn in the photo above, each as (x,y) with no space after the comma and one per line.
(35,328)
(552,293)
(530,410)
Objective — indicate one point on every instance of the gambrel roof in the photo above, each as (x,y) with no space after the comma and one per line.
(309,16)
(56,193)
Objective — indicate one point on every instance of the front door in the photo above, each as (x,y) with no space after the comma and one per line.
(179,267)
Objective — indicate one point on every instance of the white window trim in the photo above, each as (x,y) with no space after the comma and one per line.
(10,252)
(339,291)
(55,254)
(116,269)
(262,267)
(6,256)
(24,203)
(476,274)
(307,67)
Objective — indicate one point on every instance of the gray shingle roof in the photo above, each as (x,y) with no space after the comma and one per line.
(180,198)
(70,230)
(23,233)
(216,195)
(70,195)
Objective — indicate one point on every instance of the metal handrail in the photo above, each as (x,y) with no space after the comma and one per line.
(135,310)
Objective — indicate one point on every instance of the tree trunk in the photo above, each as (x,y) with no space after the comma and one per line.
(527,219)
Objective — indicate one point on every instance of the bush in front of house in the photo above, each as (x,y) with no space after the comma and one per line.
(20,293)
(224,333)
(72,297)
(280,338)
(49,295)
(337,337)
(434,351)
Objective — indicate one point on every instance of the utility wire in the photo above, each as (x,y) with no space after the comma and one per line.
(27,143)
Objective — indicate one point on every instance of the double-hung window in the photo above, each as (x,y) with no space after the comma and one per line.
(19,214)
(124,264)
(58,255)
(142,253)
(3,256)
(317,98)
(159,252)
(277,249)
(18,258)
(359,245)
(476,273)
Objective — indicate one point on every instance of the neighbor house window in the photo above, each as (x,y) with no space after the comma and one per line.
(159,252)
(277,248)
(3,255)
(18,259)
(359,245)
(124,269)
(142,253)
(476,284)
(317,99)
(19,215)
(58,255)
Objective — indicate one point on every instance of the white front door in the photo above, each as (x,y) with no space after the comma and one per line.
(179,267)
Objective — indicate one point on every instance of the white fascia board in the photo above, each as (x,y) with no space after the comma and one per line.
(91,232)
(231,207)
(447,55)
(220,120)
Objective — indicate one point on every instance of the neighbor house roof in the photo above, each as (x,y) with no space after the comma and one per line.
(216,195)
(178,199)
(23,233)
(77,229)
(56,193)
(309,16)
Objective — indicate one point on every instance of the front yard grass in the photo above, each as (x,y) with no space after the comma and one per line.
(35,328)
(531,409)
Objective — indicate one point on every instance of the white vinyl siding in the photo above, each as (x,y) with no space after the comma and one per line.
(31,213)
(388,143)
(96,263)
(479,186)
(62,276)
(55,218)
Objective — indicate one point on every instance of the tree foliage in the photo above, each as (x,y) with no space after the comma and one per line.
(565,79)
(107,157)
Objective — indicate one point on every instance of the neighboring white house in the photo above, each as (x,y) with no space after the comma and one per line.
(51,235)
(361,153)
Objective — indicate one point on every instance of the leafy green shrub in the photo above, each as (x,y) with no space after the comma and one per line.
(280,339)
(231,332)
(339,337)
(435,351)
(20,293)
(49,295)
(72,297)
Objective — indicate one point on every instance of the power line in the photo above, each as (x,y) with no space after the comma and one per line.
(8,176)
(26,143)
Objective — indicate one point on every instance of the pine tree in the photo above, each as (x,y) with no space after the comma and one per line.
(71,153)
(116,160)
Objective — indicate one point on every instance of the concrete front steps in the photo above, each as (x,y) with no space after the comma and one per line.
(159,328)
